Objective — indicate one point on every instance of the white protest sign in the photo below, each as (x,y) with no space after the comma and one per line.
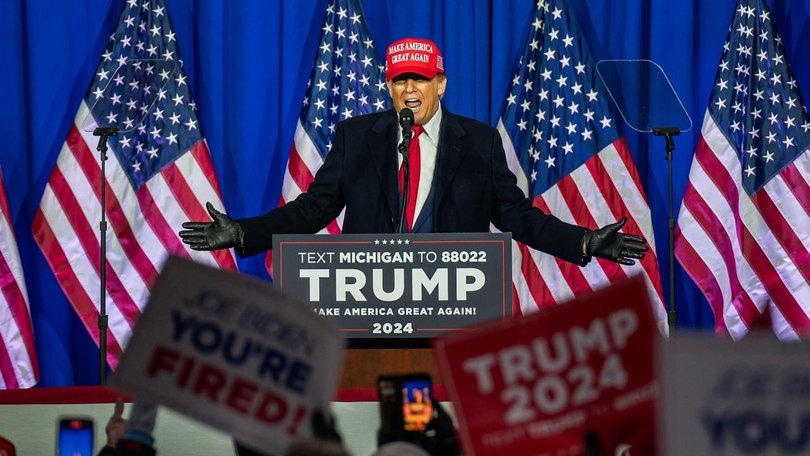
(724,398)
(232,352)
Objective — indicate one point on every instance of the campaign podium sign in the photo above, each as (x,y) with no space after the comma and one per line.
(398,285)
(726,398)
(540,383)
(232,352)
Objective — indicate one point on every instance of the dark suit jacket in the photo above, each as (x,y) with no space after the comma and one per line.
(474,187)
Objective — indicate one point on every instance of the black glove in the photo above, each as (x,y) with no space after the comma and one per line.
(222,233)
(608,243)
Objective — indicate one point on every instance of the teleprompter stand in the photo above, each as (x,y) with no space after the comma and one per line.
(648,104)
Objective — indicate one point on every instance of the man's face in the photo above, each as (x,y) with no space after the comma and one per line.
(418,93)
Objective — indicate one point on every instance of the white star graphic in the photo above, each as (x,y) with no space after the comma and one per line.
(522,124)
(568,148)
(749,171)
(568,40)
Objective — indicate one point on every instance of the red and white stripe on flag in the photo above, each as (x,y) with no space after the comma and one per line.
(304,161)
(748,255)
(606,188)
(18,358)
(562,144)
(743,231)
(159,174)
(347,80)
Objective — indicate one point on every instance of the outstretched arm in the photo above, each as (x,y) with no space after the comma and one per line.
(608,243)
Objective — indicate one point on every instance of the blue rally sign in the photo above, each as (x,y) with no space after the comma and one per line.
(398,285)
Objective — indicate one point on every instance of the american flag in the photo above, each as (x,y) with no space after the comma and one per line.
(348,79)
(562,143)
(18,357)
(158,175)
(744,226)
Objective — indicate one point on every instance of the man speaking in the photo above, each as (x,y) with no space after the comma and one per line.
(416,168)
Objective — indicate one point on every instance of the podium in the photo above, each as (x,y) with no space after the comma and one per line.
(391,294)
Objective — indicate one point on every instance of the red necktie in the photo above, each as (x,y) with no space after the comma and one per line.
(414,153)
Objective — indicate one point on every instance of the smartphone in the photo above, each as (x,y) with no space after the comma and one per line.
(417,402)
(74,436)
(406,402)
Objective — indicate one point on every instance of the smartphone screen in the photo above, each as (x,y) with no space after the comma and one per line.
(417,402)
(75,437)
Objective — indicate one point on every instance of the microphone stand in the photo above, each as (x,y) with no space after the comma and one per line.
(406,173)
(668,133)
(103,133)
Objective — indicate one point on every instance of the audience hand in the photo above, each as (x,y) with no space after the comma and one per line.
(116,425)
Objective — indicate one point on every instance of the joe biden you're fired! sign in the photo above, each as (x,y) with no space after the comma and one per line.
(232,352)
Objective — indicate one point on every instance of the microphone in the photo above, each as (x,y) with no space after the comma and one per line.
(406,122)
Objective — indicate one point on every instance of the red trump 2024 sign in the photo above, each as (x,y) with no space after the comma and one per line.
(540,383)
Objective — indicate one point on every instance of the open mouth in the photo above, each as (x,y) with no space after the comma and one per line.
(413,103)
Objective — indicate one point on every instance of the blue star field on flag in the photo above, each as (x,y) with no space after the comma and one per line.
(556,114)
(346,80)
(756,100)
(141,88)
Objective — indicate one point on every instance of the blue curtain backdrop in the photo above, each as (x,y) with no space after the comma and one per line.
(248,62)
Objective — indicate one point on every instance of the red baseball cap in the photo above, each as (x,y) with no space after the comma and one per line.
(413,55)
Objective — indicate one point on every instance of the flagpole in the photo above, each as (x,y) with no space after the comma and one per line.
(103,133)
